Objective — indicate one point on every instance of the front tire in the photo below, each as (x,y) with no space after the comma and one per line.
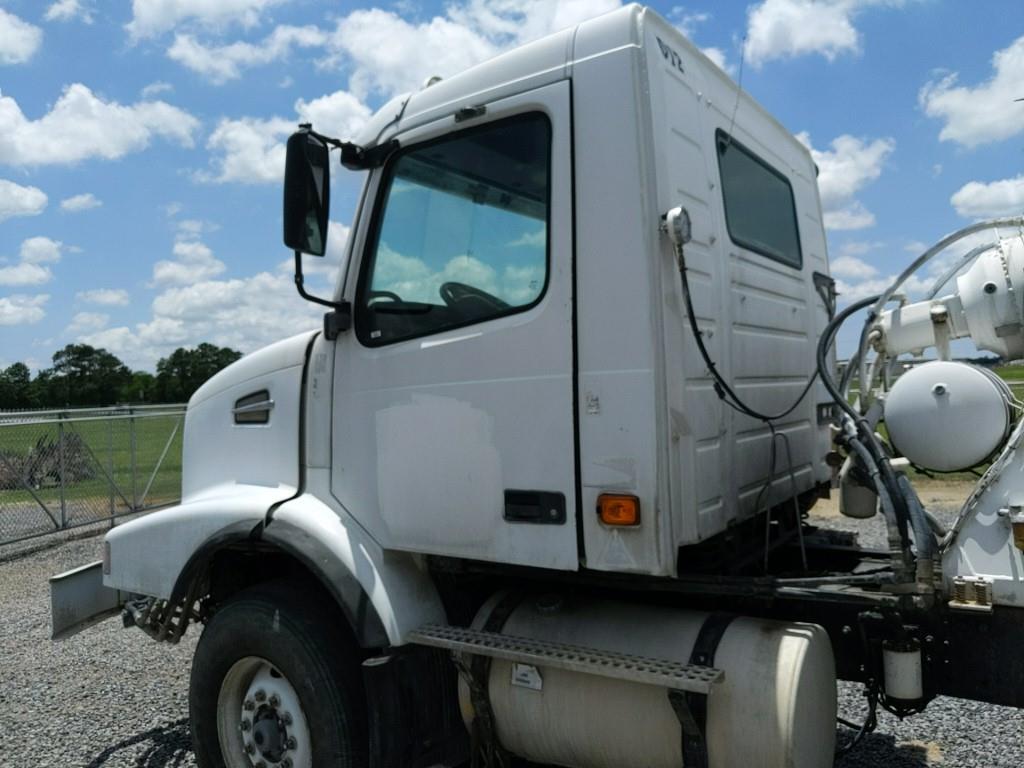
(275,678)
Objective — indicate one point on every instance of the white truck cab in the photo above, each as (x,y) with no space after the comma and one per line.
(538,487)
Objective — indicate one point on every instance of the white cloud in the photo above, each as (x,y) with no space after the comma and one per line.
(154,17)
(687,21)
(389,55)
(843,171)
(35,252)
(717,55)
(19,40)
(244,314)
(193,228)
(68,10)
(82,202)
(196,263)
(978,200)
(849,266)
(339,113)
(25,273)
(852,216)
(155,88)
(41,250)
(385,54)
(983,113)
(87,322)
(780,29)
(20,309)
(16,200)
(511,22)
(222,63)
(251,151)
(82,125)
(107,297)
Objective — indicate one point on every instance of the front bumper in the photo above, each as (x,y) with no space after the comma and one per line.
(78,599)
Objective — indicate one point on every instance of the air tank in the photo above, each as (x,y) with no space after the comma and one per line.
(775,708)
(948,416)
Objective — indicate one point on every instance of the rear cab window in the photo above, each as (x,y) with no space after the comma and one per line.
(760,211)
(460,233)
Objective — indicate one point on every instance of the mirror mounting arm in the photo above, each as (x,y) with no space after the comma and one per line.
(338,319)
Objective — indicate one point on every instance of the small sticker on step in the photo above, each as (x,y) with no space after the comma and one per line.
(527,676)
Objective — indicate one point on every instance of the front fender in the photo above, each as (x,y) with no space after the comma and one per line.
(159,555)
(147,555)
(399,589)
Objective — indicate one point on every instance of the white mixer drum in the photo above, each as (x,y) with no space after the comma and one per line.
(948,416)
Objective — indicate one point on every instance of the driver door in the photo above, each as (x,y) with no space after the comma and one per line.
(453,428)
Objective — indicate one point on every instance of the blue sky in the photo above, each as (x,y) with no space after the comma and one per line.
(141,143)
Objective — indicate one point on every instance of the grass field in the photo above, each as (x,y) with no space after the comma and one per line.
(1010,373)
(95,450)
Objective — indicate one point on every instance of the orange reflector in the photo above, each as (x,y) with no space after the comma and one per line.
(615,509)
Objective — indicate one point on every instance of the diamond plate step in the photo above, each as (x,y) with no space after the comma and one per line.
(541,653)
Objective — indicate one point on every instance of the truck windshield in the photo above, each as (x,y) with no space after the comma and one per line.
(461,233)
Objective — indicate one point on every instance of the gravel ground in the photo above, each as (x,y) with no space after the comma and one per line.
(106,697)
(111,697)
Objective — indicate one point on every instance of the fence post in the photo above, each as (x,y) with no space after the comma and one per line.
(63,473)
(110,467)
(131,429)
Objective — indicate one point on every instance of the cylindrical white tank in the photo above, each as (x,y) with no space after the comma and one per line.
(775,707)
(948,416)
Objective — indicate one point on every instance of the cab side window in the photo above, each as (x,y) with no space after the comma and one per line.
(461,234)
(760,212)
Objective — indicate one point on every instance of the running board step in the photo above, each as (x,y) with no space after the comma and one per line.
(621,666)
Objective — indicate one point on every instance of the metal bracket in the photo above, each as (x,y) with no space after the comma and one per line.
(691,708)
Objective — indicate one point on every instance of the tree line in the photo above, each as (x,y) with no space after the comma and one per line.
(84,376)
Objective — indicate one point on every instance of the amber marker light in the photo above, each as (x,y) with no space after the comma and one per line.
(618,510)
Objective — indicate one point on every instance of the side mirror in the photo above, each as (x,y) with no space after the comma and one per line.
(307,193)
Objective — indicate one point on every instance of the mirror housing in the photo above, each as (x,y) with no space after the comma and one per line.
(307,192)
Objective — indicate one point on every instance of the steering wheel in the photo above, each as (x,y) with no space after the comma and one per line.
(452,293)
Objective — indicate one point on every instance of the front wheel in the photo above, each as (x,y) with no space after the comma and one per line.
(275,683)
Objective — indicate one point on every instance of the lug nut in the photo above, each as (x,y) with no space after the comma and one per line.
(249,704)
(261,695)
(260,764)
(275,700)
(286,763)
(291,743)
(286,718)
(250,748)
(246,724)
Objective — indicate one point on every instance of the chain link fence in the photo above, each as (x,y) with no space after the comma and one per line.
(70,468)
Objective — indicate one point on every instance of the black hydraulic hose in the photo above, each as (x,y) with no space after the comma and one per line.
(876,463)
(897,536)
(825,343)
(927,547)
(722,388)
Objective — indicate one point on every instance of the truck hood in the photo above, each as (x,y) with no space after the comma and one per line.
(222,452)
(279,355)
